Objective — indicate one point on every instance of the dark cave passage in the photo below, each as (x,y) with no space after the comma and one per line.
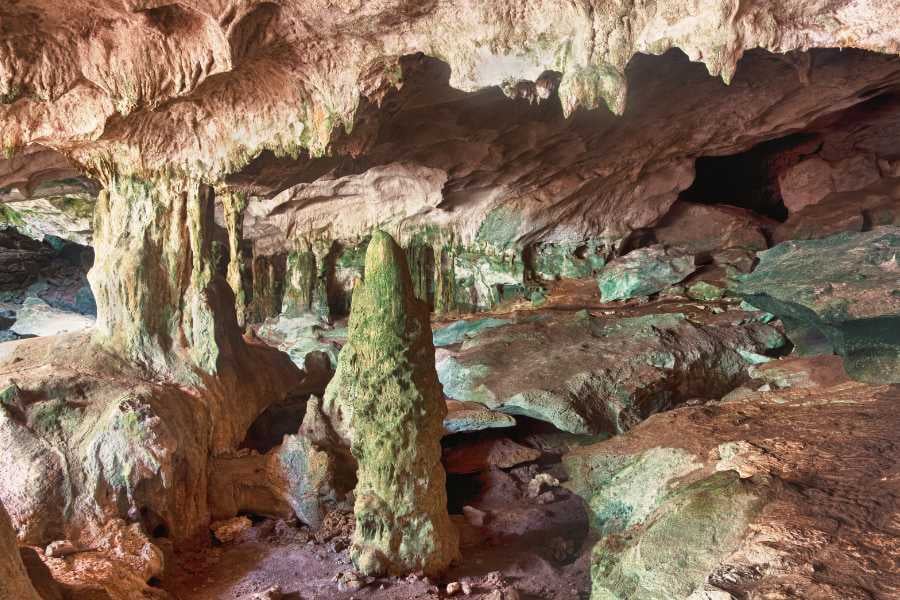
(750,179)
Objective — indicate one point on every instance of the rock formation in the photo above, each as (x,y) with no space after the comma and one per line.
(386,378)
(655,236)
(14,581)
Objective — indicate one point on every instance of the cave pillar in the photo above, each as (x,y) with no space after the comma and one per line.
(159,303)
(233,204)
(386,378)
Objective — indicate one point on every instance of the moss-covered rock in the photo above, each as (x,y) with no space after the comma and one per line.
(678,546)
(387,382)
(643,272)
(837,294)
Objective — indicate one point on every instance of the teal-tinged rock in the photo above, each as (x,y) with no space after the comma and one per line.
(753,358)
(643,272)
(459,331)
(623,490)
(500,227)
(591,375)
(462,382)
(695,527)
(386,381)
(301,335)
(836,294)
(572,260)
(483,279)
(763,317)
(704,292)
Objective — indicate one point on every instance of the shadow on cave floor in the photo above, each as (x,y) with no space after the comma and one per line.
(540,545)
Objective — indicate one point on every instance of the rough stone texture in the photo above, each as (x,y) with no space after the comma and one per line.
(874,205)
(838,294)
(386,379)
(157,300)
(717,498)
(204,60)
(590,374)
(87,438)
(643,272)
(37,318)
(437,159)
(696,228)
(14,581)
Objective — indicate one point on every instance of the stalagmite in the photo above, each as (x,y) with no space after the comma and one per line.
(386,378)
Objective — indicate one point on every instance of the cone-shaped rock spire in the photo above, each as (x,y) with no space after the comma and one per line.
(388,380)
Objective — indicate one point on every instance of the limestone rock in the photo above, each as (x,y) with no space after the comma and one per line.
(472,416)
(37,318)
(230,529)
(590,375)
(482,455)
(679,545)
(643,272)
(14,581)
(694,499)
(838,294)
(696,228)
(386,375)
(877,204)
(84,443)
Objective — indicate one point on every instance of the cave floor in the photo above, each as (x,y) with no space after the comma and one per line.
(540,549)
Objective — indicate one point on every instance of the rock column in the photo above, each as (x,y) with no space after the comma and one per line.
(387,381)
(158,302)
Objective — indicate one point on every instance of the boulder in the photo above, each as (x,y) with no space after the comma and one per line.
(488,452)
(877,204)
(706,500)
(697,228)
(592,375)
(643,272)
(838,294)
(37,318)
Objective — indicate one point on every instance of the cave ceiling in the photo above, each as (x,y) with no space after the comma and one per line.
(577,116)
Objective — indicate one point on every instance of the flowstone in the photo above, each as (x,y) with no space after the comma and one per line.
(387,382)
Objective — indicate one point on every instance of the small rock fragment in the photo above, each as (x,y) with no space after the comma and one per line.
(228,530)
(541,483)
(61,548)
(272,593)
(475,517)
(453,588)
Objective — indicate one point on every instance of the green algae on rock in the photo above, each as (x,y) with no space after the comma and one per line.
(837,294)
(643,272)
(671,556)
(590,375)
(386,378)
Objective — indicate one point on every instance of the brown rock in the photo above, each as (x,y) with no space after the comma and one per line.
(482,454)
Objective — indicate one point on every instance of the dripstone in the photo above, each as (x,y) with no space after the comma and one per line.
(387,381)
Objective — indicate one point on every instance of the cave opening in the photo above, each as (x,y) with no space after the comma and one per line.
(270,427)
(749,179)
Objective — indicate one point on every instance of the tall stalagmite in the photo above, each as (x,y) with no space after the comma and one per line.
(387,380)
